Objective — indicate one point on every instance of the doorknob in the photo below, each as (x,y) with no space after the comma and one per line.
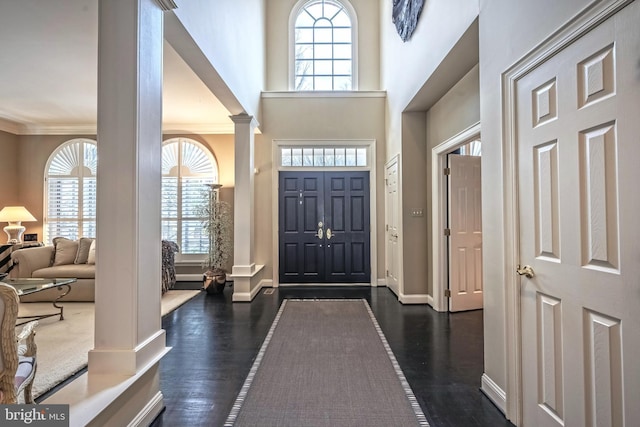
(319,234)
(329,234)
(525,271)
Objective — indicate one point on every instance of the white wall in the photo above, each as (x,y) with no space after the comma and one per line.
(405,67)
(508,30)
(230,37)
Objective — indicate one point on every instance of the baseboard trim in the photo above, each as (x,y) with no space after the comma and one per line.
(413,299)
(430,300)
(249,296)
(380,283)
(494,393)
(150,412)
(189,277)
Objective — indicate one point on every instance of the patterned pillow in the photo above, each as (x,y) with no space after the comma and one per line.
(65,252)
(84,244)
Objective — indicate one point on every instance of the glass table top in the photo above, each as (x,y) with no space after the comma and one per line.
(29,286)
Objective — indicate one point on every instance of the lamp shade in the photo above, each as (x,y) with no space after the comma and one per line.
(15,214)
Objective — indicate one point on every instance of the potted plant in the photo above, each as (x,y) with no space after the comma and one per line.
(216,221)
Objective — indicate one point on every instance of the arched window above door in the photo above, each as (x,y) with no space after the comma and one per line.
(323,45)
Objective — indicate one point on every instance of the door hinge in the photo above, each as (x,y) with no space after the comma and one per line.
(387,273)
(387,227)
(447,171)
(386,181)
(447,232)
(447,293)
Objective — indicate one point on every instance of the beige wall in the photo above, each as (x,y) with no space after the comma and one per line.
(9,189)
(278,13)
(314,117)
(456,111)
(508,30)
(33,152)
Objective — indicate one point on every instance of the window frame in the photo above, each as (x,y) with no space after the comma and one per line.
(295,11)
(80,200)
(187,257)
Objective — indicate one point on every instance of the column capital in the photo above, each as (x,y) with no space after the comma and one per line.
(167,5)
(239,119)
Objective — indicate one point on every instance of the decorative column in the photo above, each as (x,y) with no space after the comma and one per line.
(128,334)
(244,267)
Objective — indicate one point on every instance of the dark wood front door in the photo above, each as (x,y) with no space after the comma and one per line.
(324,228)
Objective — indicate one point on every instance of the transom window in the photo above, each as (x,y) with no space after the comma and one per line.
(70,191)
(323,47)
(323,157)
(187,166)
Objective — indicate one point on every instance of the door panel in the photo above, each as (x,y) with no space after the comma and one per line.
(301,205)
(324,227)
(465,242)
(577,133)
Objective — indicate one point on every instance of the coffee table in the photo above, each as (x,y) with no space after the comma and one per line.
(33,285)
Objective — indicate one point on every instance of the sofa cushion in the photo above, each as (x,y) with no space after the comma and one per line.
(65,251)
(78,271)
(84,244)
(91,258)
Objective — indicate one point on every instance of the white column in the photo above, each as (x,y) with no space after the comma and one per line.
(244,267)
(128,334)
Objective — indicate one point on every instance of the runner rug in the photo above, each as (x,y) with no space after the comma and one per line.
(326,363)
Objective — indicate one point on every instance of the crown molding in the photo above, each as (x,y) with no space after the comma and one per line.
(90,129)
(9,126)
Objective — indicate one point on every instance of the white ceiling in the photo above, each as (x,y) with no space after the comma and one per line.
(48,74)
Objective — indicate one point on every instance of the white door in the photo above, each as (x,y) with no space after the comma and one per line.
(578,143)
(465,241)
(392,209)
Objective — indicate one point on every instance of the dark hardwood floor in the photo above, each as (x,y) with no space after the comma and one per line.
(215,342)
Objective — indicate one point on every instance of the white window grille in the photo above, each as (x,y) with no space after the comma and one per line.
(323,45)
(314,157)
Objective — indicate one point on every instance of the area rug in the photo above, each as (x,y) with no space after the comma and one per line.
(63,346)
(326,363)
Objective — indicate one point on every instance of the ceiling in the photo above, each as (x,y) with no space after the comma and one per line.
(48,74)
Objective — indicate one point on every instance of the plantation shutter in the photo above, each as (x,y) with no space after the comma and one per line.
(71,191)
(186,169)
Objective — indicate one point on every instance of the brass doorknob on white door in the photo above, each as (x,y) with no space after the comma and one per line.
(525,271)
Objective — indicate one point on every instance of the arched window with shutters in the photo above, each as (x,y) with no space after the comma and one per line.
(70,191)
(187,166)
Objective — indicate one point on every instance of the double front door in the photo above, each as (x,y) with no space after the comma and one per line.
(324,234)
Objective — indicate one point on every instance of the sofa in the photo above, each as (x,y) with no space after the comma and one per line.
(74,258)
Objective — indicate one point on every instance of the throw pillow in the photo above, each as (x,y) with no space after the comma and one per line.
(65,252)
(84,244)
(91,259)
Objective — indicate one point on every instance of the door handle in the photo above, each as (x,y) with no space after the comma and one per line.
(319,234)
(329,234)
(526,271)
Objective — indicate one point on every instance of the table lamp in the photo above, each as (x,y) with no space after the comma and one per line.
(14,215)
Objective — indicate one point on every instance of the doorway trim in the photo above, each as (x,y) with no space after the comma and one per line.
(371,167)
(590,17)
(440,273)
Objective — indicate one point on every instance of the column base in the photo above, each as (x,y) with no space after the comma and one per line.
(127,361)
(246,282)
